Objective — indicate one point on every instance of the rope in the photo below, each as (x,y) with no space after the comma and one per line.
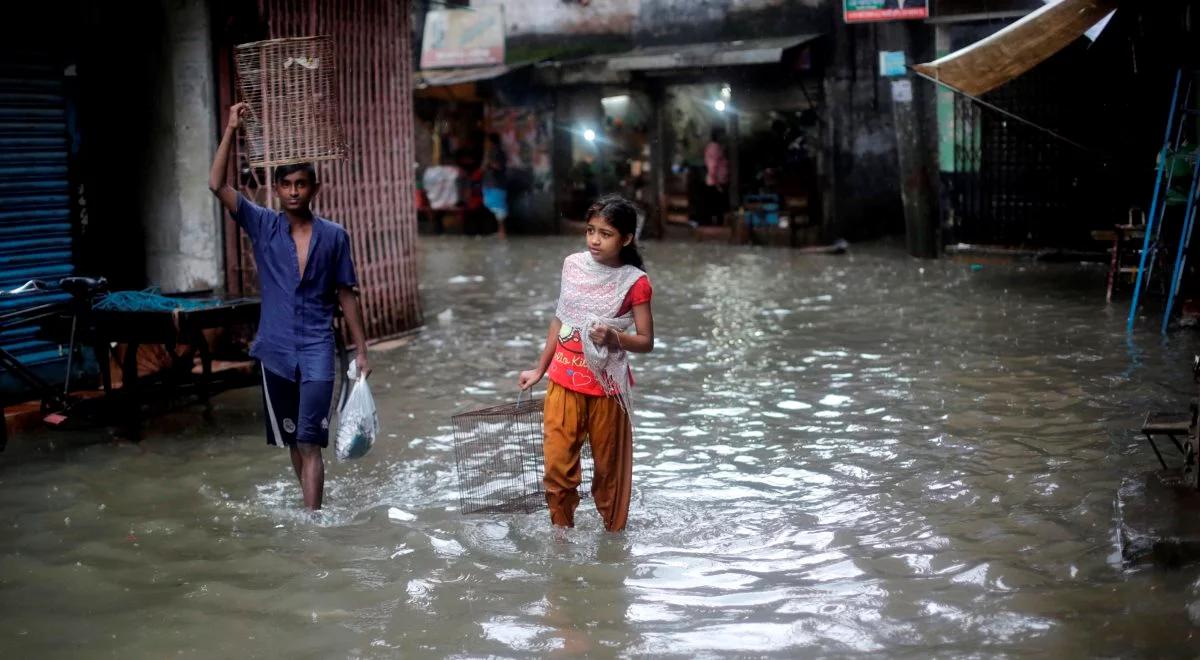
(1015,117)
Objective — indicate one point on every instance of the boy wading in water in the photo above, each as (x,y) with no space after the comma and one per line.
(304,269)
(605,291)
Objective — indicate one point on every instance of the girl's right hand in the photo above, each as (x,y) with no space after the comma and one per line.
(528,379)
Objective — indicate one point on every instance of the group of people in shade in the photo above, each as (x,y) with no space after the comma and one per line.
(306,271)
(464,185)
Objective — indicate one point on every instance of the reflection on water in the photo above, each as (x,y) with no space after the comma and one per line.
(834,455)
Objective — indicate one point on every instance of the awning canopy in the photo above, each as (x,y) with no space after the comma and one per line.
(991,62)
(718,53)
(447,77)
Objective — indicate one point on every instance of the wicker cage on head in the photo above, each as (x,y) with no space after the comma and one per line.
(498,454)
(290,86)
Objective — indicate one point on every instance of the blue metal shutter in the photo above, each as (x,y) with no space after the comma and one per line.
(36,229)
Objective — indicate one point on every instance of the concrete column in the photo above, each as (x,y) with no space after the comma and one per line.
(182,220)
(916,143)
(576,108)
(916,187)
(733,133)
(658,163)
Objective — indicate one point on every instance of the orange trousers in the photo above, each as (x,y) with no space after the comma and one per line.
(569,418)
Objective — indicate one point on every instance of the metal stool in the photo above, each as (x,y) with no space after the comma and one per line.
(1172,425)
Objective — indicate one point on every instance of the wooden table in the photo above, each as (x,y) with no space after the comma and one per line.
(135,328)
(1126,246)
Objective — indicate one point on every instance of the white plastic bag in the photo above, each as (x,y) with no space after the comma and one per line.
(358,423)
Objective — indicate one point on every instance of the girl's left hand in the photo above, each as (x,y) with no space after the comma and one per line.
(603,335)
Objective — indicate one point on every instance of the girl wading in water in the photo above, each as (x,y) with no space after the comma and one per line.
(605,292)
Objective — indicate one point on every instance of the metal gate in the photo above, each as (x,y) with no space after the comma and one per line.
(1013,184)
(36,226)
(370,193)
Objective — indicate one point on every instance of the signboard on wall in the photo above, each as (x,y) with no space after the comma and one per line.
(866,11)
(891,63)
(463,37)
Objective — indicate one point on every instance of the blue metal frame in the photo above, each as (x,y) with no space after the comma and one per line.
(1185,239)
(1150,217)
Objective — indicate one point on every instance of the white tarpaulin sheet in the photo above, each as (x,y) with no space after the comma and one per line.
(995,60)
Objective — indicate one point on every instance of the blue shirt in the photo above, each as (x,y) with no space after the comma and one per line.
(295,329)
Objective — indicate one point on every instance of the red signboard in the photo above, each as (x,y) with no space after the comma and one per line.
(868,11)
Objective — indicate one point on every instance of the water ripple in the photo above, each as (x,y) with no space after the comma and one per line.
(834,456)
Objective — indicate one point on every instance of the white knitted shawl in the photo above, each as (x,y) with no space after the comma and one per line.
(592,294)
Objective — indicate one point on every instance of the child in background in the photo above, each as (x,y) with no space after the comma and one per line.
(495,180)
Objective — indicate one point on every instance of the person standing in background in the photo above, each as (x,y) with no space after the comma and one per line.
(495,181)
(716,178)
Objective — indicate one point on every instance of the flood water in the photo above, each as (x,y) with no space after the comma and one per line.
(835,455)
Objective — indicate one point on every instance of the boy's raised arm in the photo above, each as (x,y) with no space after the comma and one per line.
(217,182)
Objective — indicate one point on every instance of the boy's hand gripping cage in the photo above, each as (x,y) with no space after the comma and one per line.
(498,454)
(290,86)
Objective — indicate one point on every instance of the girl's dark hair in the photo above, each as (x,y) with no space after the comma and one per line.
(623,216)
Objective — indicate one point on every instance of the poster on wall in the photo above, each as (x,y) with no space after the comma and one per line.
(525,136)
(463,37)
(867,11)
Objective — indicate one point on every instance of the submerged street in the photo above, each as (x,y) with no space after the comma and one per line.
(834,455)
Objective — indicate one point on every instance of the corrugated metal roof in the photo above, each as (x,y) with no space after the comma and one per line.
(718,53)
(444,77)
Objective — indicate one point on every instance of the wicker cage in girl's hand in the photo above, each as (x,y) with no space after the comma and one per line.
(498,454)
(290,86)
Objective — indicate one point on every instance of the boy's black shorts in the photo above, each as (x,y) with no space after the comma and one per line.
(296,411)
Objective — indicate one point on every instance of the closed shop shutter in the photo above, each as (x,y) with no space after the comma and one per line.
(36,225)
